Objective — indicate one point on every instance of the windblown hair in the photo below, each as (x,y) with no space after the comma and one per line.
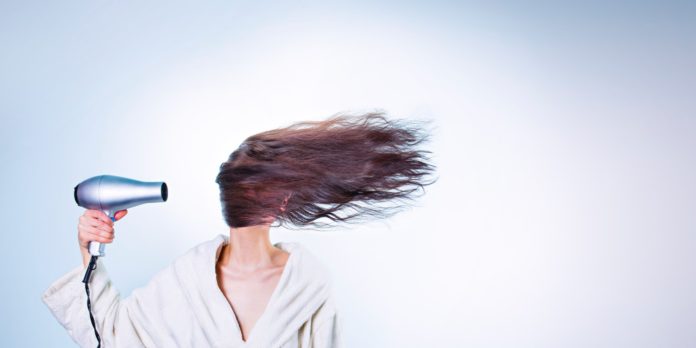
(344,169)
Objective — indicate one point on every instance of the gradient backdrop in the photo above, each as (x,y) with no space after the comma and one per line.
(564,133)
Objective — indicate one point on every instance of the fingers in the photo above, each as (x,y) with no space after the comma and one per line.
(99,228)
(98,215)
(88,233)
(120,214)
(94,225)
(86,237)
(89,221)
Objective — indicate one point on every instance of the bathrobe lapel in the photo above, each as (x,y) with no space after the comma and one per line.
(302,288)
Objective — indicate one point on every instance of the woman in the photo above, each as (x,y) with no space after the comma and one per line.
(238,289)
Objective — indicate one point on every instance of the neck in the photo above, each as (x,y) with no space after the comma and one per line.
(249,248)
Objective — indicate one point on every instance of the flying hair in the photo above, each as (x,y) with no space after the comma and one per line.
(347,168)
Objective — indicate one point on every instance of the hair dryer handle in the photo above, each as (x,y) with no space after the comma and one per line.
(97,248)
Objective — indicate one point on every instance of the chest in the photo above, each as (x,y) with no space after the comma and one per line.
(248,295)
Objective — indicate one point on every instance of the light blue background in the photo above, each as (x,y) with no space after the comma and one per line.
(564,214)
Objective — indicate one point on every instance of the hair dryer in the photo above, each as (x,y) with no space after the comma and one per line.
(110,194)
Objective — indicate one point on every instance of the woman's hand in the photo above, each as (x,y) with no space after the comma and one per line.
(94,225)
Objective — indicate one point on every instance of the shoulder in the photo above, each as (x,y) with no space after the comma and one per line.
(188,272)
(327,311)
(315,272)
(193,263)
(326,324)
(312,268)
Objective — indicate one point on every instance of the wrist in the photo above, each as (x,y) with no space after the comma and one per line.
(86,256)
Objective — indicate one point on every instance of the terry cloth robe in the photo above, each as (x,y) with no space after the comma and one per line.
(182,306)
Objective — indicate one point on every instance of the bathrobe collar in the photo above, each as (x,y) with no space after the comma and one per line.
(302,289)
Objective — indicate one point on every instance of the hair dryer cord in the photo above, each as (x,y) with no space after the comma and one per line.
(92,265)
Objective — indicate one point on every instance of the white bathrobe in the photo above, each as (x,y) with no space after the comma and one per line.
(182,306)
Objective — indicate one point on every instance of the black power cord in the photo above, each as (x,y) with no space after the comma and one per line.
(92,265)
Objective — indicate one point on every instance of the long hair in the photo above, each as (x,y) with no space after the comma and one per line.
(342,169)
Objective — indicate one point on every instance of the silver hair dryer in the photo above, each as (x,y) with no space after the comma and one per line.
(110,194)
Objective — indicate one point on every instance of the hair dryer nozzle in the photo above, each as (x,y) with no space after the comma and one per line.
(112,193)
(164,192)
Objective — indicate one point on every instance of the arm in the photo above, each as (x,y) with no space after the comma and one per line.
(85,256)
(114,318)
(328,334)
(328,331)
(67,300)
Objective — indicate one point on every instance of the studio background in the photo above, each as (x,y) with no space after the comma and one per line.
(563,135)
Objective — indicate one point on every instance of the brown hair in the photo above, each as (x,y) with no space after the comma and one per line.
(344,168)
